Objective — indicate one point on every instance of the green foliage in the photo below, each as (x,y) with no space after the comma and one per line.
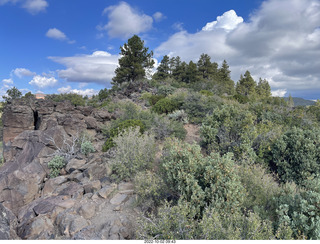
(228,129)
(55,165)
(86,148)
(163,127)
(165,105)
(166,90)
(150,189)
(206,93)
(103,94)
(246,85)
(75,99)
(120,128)
(202,181)
(134,61)
(134,152)
(163,70)
(179,115)
(12,94)
(263,89)
(296,154)
(155,98)
(300,210)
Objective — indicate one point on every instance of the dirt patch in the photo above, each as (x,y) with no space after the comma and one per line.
(193,133)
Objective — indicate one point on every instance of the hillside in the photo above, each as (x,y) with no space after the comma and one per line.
(300,101)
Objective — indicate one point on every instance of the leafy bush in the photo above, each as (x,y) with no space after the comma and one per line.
(166,90)
(202,181)
(296,154)
(229,129)
(55,165)
(206,93)
(75,99)
(300,210)
(153,99)
(163,127)
(179,115)
(120,128)
(150,189)
(86,148)
(134,152)
(165,105)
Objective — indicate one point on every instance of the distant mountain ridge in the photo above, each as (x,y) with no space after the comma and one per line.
(298,101)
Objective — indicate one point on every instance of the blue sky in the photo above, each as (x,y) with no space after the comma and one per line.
(73,46)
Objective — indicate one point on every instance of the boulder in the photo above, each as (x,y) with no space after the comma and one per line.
(8,224)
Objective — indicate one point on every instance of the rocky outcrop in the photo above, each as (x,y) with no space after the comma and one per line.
(81,203)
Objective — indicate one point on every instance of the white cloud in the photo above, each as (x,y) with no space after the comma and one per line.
(86,92)
(279,93)
(279,43)
(7,81)
(98,67)
(32,6)
(158,16)
(228,21)
(57,34)
(35,6)
(124,21)
(43,81)
(21,72)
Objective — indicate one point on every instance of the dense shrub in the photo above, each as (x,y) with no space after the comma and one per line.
(179,115)
(150,189)
(296,154)
(300,210)
(75,99)
(55,165)
(165,105)
(134,152)
(206,93)
(120,128)
(153,99)
(163,127)
(202,181)
(229,129)
(166,90)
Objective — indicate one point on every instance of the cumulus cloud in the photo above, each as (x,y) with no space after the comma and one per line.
(57,34)
(280,42)
(158,16)
(228,21)
(21,72)
(98,67)
(43,81)
(86,92)
(279,93)
(8,81)
(125,21)
(32,6)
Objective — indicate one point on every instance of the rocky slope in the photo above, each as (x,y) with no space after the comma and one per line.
(81,203)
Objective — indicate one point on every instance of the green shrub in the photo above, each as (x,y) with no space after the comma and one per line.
(86,148)
(120,128)
(300,210)
(163,127)
(55,165)
(150,189)
(166,90)
(134,152)
(206,93)
(296,154)
(202,181)
(179,115)
(153,99)
(75,99)
(229,129)
(165,105)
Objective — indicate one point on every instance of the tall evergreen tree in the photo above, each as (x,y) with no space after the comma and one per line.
(246,85)
(191,72)
(134,61)
(205,68)
(226,84)
(163,70)
(263,89)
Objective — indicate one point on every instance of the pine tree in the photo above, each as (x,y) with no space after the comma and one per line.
(191,72)
(246,85)
(206,69)
(134,61)
(263,89)
(226,84)
(163,70)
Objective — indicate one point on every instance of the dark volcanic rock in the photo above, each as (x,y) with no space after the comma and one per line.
(8,224)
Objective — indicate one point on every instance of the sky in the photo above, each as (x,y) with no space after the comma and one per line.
(56,46)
